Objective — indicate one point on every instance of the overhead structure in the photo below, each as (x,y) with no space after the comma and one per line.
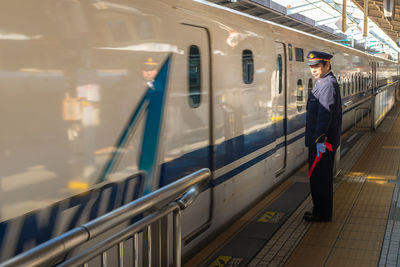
(365,28)
(343,21)
(277,13)
(385,13)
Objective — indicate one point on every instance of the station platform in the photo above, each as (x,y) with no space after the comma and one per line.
(365,228)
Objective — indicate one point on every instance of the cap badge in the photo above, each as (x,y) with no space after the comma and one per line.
(311,55)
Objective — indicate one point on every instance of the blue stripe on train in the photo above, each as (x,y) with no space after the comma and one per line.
(230,151)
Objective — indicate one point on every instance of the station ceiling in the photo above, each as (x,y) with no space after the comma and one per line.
(376,13)
(274,12)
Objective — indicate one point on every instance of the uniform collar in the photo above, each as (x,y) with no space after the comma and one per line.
(327,74)
(319,79)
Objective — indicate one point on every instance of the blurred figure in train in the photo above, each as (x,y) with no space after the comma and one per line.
(149,71)
(323,130)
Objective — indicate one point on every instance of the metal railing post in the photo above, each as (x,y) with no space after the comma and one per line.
(177,237)
(136,250)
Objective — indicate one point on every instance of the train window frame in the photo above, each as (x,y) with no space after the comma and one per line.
(299,95)
(299,54)
(290,52)
(194,76)
(344,86)
(365,83)
(247,66)
(279,71)
(310,85)
(357,83)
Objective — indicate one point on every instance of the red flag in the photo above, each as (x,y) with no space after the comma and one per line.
(317,158)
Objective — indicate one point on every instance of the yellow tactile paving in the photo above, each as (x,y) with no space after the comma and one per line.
(355,235)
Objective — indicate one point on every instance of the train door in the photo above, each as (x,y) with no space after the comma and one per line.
(279,109)
(196,124)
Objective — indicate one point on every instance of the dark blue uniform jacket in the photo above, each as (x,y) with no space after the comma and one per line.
(324,113)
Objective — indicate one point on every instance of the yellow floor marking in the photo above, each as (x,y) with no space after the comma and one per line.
(267,216)
(209,251)
(220,261)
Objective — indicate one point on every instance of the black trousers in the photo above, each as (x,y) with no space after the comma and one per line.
(321,183)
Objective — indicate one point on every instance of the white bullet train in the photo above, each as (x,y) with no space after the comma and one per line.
(74,75)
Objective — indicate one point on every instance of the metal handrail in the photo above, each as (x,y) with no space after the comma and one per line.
(51,251)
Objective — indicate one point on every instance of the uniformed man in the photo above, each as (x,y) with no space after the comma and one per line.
(323,125)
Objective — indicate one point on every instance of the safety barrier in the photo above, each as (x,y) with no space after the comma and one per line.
(362,117)
(151,251)
(384,99)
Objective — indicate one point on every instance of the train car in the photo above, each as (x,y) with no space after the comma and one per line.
(79,119)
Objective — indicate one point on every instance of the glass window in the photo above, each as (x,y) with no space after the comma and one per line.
(299,102)
(344,87)
(348,85)
(310,85)
(194,77)
(356,77)
(365,83)
(369,81)
(279,72)
(248,66)
(290,52)
(299,54)
(299,90)
(352,84)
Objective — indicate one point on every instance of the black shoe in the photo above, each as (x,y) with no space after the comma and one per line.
(314,218)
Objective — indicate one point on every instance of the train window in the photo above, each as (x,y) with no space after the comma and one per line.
(290,52)
(357,82)
(365,83)
(352,84)
(361,82)
(369,81)
(299,102)
(299,90)
(342,85)
(248,66)
(348,86)
(194,77)
(310,85)
(299,54)
(279,72)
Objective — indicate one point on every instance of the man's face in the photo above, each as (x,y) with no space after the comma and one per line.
(319,70)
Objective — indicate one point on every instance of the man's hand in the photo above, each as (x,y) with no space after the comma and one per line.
(320,148)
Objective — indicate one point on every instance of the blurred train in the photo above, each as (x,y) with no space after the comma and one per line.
(73,73)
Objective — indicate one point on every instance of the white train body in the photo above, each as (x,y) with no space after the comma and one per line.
(73,72)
